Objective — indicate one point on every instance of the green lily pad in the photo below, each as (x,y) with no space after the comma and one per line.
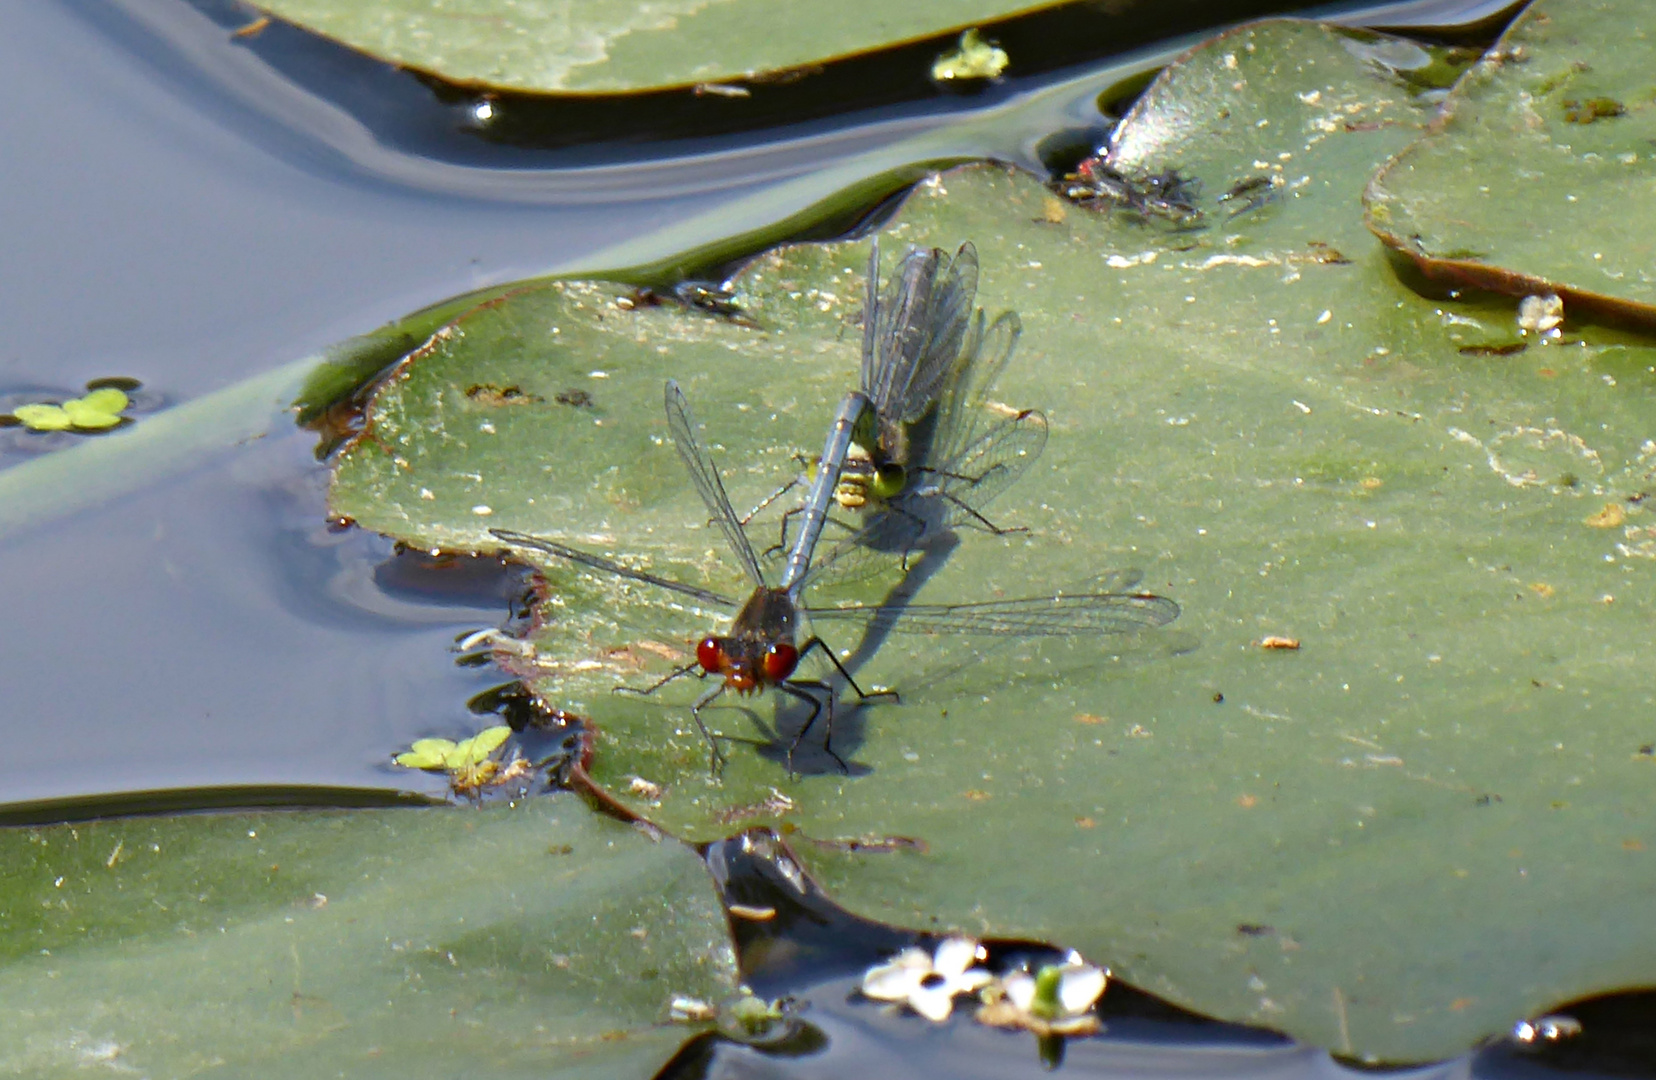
(1425,820)
(469,763)
(1538,178)
(87,414)
(96,411)
(105,399)
(530,941)
(44,417)
(609,46)
(451,755)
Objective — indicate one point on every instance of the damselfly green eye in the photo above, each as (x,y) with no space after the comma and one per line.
(889,480)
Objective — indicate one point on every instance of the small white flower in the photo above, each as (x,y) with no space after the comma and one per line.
(1079,985)
(1540,313)
(929,984)
(1057,1000)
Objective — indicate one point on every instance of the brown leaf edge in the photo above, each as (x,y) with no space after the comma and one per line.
(1474,273)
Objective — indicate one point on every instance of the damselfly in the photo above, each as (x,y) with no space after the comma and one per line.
(932,449)
(909,341)
(763,647)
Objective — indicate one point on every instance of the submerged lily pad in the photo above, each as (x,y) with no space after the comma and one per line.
(1539,178)
(1424,822)
(609,46)
(535,941)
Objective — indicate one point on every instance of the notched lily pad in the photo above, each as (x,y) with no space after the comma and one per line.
(1426,803)
(99,409)
(448,754)
(1539,176)
(469,763)
(539,940)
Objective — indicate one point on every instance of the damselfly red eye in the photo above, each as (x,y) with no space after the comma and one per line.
(710,654)
(780,660)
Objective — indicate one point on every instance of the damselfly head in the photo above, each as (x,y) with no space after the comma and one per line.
(863,482)
(745,669)
(727,658)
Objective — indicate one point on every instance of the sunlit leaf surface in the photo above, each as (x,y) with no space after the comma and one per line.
(621,45)
(535,941)
(1426,820)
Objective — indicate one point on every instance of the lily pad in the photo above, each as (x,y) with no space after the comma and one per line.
(96,411)
(44,417)
(609,46)
(534,941)
(1425,821)
(1538,179)
(469,763)
(448,754)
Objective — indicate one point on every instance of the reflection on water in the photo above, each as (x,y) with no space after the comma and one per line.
(806,949)
(215,630)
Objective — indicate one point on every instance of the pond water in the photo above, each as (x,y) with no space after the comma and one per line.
(202,215)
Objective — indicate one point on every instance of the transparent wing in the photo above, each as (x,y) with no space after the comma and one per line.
(951,494)
(945,321)
(871,316)
(1037,616)
(972,479)
(961,409)
(682,423)
(899,330)
(598,562)
(917,330)
(875,547)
